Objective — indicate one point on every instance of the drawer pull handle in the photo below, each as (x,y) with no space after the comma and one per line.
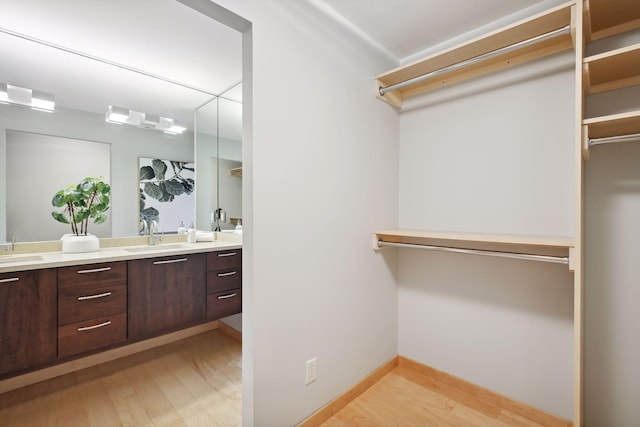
(100,325)
(10,279)
(169,261)
(227,254)
(231,273)
(106,294)
(227,296)
(94,270)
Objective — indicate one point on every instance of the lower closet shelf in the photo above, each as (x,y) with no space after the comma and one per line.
(535,248)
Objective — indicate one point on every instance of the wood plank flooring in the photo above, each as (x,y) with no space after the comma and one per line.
(404,397)
(189,383)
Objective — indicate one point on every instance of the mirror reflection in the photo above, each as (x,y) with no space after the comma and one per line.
(37,167)
(166,192)
(219,152)
(84,77)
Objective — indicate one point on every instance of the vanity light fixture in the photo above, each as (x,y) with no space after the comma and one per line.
(37,100)
(119,115)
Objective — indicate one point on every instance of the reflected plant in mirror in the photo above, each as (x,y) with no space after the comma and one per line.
(87,200)
(171,183)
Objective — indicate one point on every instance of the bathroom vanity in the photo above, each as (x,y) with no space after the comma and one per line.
(58,310)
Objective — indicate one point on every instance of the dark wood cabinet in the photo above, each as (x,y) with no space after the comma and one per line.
(224,283)
(92,307)
(165,294)
(28,319)
(55,315)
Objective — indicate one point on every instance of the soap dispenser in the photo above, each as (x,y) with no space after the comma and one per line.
(181,228)
(191,234)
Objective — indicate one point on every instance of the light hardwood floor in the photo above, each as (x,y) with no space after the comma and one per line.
(406,398)
(195,382)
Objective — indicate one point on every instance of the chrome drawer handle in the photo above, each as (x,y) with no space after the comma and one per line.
(227,254)
(106,294)
(227,274)
(227,296)
(169,261)
(88,328)
(11,279)
(94,270)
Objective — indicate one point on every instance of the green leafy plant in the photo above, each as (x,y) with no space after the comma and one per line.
(156,183)
(80,203)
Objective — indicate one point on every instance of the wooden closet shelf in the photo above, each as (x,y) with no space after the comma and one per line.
(605,19)
(611,70)
(613,125)
(543,23)
(532,245)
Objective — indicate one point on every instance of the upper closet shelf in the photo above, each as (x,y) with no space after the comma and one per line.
(605,19)
(611,70)
(537,248)
(538,36)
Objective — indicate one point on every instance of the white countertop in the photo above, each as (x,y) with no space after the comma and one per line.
(39,260)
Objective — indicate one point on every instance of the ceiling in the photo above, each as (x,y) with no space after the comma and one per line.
(406,27)
(167,39)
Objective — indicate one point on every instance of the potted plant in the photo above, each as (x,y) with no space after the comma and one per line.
(80,203)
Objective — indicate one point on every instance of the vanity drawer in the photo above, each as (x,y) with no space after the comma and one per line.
(85,278)
(222,280)
(223,304)
(77,305)
(220,260)
(91,334)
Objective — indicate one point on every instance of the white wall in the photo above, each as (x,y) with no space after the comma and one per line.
(612,271)
(612,291)
(127,145)
(493,155)
(323,167)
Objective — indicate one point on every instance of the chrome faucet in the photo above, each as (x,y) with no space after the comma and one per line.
(153,229)
(143,227)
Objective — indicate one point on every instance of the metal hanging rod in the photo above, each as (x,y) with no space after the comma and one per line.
(514,255)
(610,139)
(479,58)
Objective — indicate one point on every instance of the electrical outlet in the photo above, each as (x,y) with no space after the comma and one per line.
(311,371)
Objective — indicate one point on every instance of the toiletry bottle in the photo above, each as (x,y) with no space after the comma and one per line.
(191,234)
(181,228)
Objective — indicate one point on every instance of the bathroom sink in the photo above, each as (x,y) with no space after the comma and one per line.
(156,248)
(19,258)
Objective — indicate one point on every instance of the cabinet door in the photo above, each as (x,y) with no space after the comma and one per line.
(28,319)
(165,294)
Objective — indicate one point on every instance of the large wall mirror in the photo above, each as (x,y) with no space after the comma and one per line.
(219,150)
(88,56)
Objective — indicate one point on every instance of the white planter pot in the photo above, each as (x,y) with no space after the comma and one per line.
(76,244)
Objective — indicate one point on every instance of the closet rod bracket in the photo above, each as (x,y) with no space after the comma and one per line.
(573,258)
